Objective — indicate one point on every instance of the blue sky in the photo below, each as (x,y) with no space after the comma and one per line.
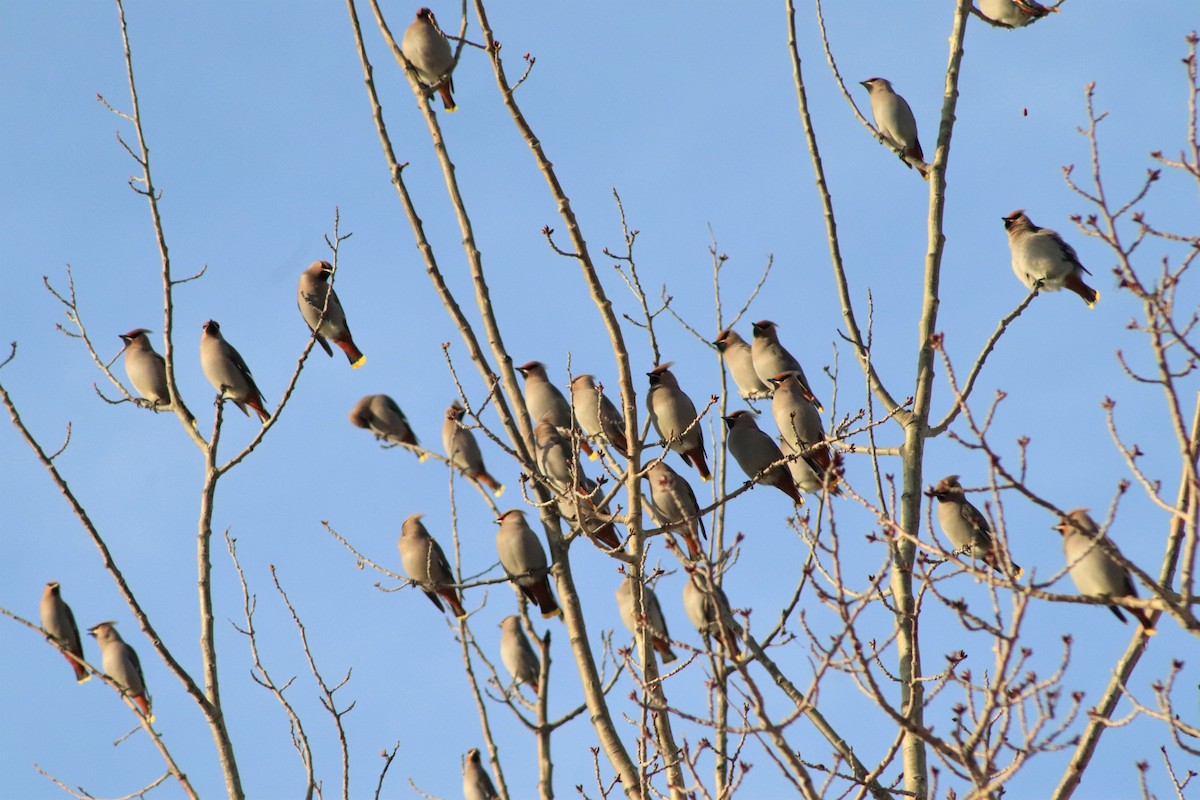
(259,128)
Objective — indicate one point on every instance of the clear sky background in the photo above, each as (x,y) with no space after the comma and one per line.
(259,128)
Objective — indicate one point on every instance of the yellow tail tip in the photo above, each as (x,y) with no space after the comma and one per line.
(594,455)
(360,362)
(150,718)
(499,492)
(1149,631)
(552,614)
(422,458)
(85,678)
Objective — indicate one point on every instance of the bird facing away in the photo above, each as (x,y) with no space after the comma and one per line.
(543,400)
(740,360)
(463,451)
(706,604)
(524,559)
(1014,13)
(380,414)
(673,504)
(121,664)
(228,373)
(59,622)
(756,451)
(674,418)
(476,783)
(576,494)
(771,358)
(1043,261)
(1094,571)
(426,565)
(596,414)
(517,653)
(653,618)
(967,527)
(146,369)
(800,426)
(311,297)
(430,54)
(896,122)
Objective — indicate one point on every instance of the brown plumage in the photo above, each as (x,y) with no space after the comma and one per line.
(59,622)
(674,417)
(316,294)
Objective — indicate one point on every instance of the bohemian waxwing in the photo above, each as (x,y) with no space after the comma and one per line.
(59,622)
(1094,571)
(755,451)
(314,288)
(596,414)
(426,565)
(430,54)
(122,665)
(799,423)
(738,357)
(463,451)
(674,417)
(706,604)
(524,559)
(967,527)
(543,400)
(575,493)
(1014,13)
(673,505)
(379,414)
(476,783)
(659,636)
(517,653)
(1042,260)
(228,373)
(802,472)
(146,369)
(771,358)
(896,122)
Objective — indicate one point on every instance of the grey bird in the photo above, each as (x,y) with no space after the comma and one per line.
(146,369)
(1043,261)
(543,400)
(228,373)
(575,493)
(430,54)
(755,451)
(799,423)
(596,414)
(966,526)
(524,559)
(706,605)
(896,123)
(673,504)
(426,565)
(59,622)
(1014,13)
(476,783)
(738,358)
(463,451)
(805,478)
(771,358)
(518,654)
(675,419)
(1094,571)
(121,664)
(380,414)
(311,297)
(658,634)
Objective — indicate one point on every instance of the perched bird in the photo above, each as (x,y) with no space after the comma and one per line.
(674,417)
(795,413)
(146,369)
(965,526)
(756,451)
(463,451)
(122,665)
(543,400)
(596,414)
(430,54)
(59,622)
(314,289)
(770,358)
(896,122)
(673,504)
(653,618)
(575,493)
(738,357)
(426,565)
(228,373)
(524,559)
(476,783)
(517,653)
(1043,261)
(706,606)
(802,472)
(1014,13)
(379,414)
(1093,570)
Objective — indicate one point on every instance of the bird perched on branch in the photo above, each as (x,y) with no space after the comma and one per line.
(524,559)
(673,504)
(577,495)
(476,783)
(799,422)
(1014,13)
(1043,261)
(654,620)
(430,54)
(228,373)
(596,414)
(59,622)
(312,297)
(1094,571)
(517,653)
(463,451)
(426,565)
(896,123)
(738,356)
(756,451)
(706,606)
(380,414)
(771,358)
(543,400)
(674,417)
(966,526)
(121,664)
(146,369)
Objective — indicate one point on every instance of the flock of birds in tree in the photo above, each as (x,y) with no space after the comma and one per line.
(800,461)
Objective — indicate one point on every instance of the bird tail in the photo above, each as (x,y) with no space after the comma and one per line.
(357,359)
(545,599)
(81,673)
(663,647)
(143,701)
(490,482)
(1076,285)
(454,600)
(447,99)
(255,401)
(1145,620)
(696,457)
